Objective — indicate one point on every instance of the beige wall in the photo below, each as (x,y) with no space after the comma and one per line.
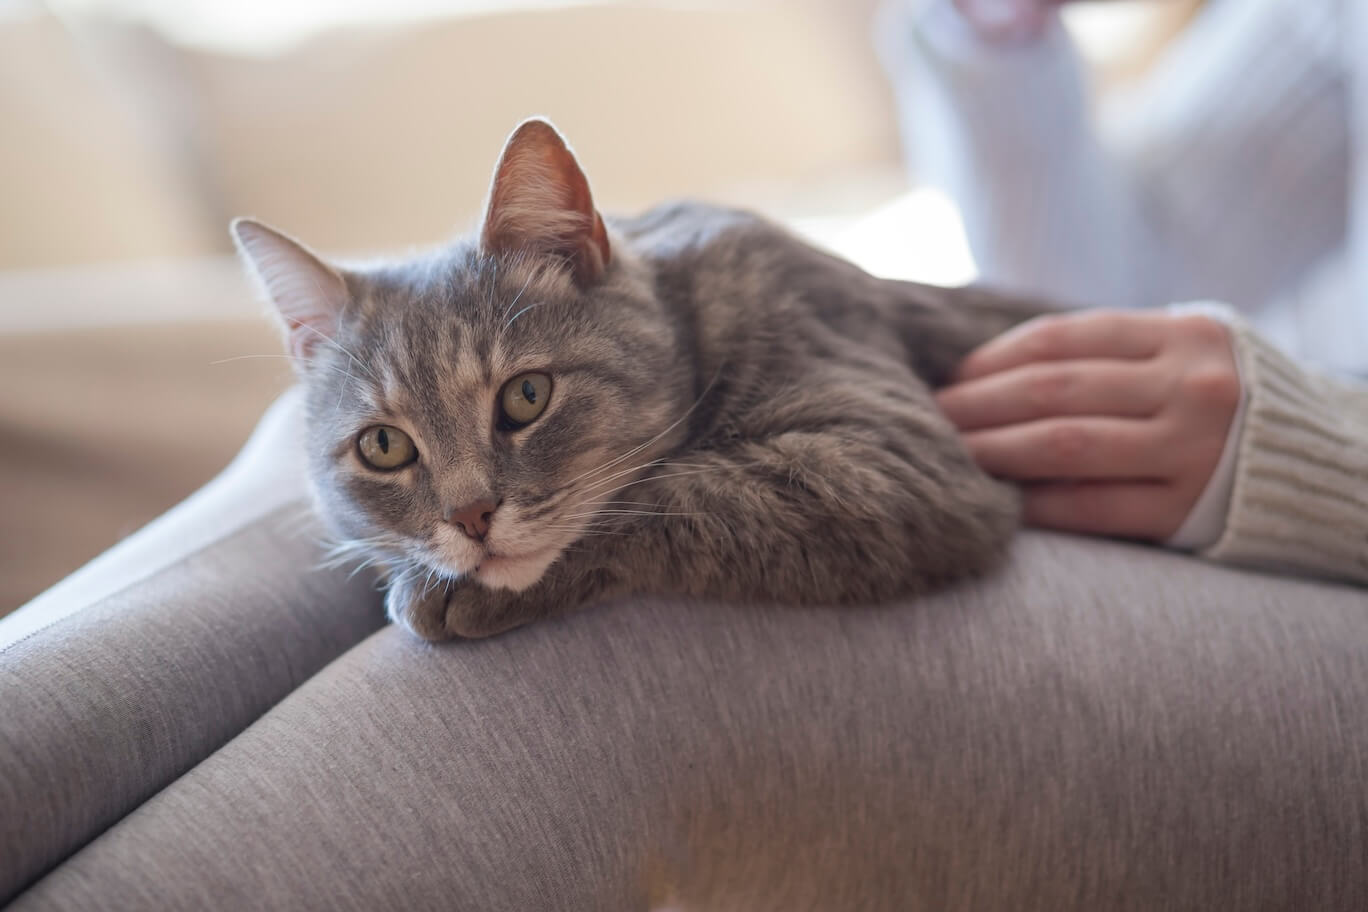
(119,146)
(79,179)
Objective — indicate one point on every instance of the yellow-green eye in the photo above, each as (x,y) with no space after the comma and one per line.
(522,400)
(386,448)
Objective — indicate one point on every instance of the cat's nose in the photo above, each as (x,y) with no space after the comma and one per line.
(473,519)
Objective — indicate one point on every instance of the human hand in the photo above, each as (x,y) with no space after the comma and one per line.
(1113,420)
(1007,21)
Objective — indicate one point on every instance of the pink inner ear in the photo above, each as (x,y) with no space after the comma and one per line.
(310,305)
(540,202)
(309,295)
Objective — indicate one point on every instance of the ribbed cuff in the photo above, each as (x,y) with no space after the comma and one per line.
(1300,499)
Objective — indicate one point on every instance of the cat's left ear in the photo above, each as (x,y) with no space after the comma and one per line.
(540,202)
(309,295)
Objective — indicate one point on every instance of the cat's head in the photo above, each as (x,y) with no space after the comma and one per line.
(476,410)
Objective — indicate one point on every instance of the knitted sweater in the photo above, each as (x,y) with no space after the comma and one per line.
(1226,175)
(1300,496)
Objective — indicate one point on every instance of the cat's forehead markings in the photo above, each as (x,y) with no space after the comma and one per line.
(372,396)
(462,375)
(524,281)
(472,365)
(390,385)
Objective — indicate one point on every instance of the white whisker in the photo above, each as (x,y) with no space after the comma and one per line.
(514,303)
(637,449)
(655,463)
(523,311)
(337,345)
(312,362)
(650,478)
(630,513)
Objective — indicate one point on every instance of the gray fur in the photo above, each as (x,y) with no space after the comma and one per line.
(775,401)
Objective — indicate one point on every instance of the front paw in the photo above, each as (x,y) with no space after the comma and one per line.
(419,607)
(442,610)
(474,611)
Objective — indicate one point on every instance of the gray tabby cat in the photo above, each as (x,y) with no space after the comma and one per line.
(564,409)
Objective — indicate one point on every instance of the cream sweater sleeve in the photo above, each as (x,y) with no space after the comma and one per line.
(1300,496)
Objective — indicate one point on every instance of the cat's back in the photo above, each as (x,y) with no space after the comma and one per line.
(690,229)
(724,263)
(742,275)
(747,253)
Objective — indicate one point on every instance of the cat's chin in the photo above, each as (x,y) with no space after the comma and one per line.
(503,571)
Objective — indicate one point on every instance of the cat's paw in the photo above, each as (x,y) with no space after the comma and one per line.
(442,610)
(475,612)
(419,607)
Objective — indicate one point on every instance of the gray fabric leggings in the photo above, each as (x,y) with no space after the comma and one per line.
(1097,727)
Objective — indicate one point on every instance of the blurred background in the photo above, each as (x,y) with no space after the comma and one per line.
(131,131)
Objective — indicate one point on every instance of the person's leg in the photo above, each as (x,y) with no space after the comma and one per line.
(1097,727)
(143,663)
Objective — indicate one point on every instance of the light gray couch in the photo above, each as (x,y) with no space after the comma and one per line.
(204,719)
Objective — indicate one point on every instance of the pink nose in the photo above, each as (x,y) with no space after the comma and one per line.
(473,519)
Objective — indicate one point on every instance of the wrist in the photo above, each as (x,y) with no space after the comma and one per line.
(1206,520)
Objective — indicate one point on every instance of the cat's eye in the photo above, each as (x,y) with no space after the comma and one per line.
(522,399)
(386,448)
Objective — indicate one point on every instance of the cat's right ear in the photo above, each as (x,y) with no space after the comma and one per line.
(308,294)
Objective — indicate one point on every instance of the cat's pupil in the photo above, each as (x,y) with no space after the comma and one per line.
(382,438)
(529,391)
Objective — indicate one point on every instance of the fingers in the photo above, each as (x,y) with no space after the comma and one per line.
(1005,21)
(1058,337)
(1113,420)
(1117,388)
(1072,448)
(1143,510)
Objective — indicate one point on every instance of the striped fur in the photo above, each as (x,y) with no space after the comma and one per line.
(735,415)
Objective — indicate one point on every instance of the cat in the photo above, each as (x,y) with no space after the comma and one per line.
(564,408)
